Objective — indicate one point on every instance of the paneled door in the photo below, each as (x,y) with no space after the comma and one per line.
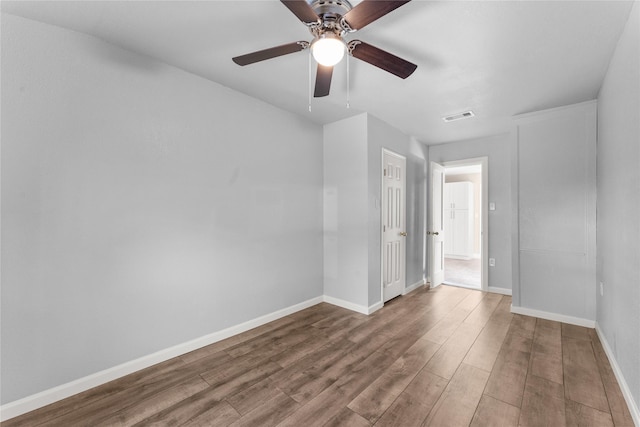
(393,224)
(436,225)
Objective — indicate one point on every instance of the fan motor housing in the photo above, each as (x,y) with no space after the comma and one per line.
(330,9)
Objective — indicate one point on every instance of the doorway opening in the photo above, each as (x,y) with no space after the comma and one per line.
(458,223)
(462,208)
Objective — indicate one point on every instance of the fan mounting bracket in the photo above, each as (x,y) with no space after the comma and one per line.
(331,17)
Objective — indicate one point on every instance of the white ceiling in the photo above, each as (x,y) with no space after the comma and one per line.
(497,58)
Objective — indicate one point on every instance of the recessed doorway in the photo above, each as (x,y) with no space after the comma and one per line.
(464,213)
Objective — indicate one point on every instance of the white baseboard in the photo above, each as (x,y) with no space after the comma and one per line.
(46,397)
(624,387)
(413,287)
(375,307)
(503,291)
(554,316)
(346,304)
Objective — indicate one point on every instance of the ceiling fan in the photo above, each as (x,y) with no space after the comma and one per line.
(329,21)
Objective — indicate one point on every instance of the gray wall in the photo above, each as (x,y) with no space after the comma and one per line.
(498,150)
(346,237)
(618,181)
(142,207)
(352,177)
(381,135)
(557,211)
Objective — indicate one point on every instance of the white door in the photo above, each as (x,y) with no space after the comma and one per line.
(393,224)
(436,225)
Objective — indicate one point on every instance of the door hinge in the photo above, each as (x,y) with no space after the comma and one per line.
(384,228)
(385,172)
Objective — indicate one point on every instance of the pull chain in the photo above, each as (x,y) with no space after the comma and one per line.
(309,80)
(348,78)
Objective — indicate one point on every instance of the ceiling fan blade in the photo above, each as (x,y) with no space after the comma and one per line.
(381,59)
(323,81)
(369,10)
(272,52)
(302,10)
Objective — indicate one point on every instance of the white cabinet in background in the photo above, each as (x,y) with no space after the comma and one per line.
(458,220)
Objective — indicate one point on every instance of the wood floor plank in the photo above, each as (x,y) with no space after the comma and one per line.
(444,328)
(617,404)
(313,381)
(221,414)
(502,312)
(154,404)
(584,416)
(457,404)
(481,315)
(376,398)
(101,396)
(250,398)
(299,317)
(269,413)
(347,417)
(546,355)
(583,384)
(407,410)
(448,358)
(495,413)
(232,384)
(333,399)
(485,349)
(328,366)
(192,407)
(523,325)
(100,409)
(542,403)
(574,331)
(509,374)
(414,404)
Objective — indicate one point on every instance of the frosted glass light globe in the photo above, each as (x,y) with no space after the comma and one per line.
(328,49)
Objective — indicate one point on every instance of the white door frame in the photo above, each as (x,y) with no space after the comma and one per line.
(382,178)
(484,200)
(433,277)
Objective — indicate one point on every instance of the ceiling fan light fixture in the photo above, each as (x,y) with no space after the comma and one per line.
(328,49)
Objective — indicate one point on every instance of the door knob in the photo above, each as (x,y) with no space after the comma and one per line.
(403,233)
(435,233)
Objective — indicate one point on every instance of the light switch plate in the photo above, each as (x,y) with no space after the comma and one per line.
(492,206)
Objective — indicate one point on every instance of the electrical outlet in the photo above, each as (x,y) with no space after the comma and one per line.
(601,289)
(492,262)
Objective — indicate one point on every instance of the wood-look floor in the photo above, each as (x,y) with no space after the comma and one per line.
(444,357)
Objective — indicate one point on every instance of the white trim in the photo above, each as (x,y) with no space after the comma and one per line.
(503,291)
(536,116)
(46,397)
(382,181)
(346,304)
(554,316)
(624,387)
(375,307)
(484,214)
(413,287)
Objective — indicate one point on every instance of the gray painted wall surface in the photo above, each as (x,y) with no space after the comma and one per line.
(498,150)
(556,209)
(142,207)
(618,180)
(345,210)
(352,177)
(381,135)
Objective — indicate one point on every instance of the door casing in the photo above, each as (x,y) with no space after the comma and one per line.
(484,232)
(387,152)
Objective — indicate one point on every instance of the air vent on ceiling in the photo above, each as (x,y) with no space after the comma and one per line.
(460,116)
